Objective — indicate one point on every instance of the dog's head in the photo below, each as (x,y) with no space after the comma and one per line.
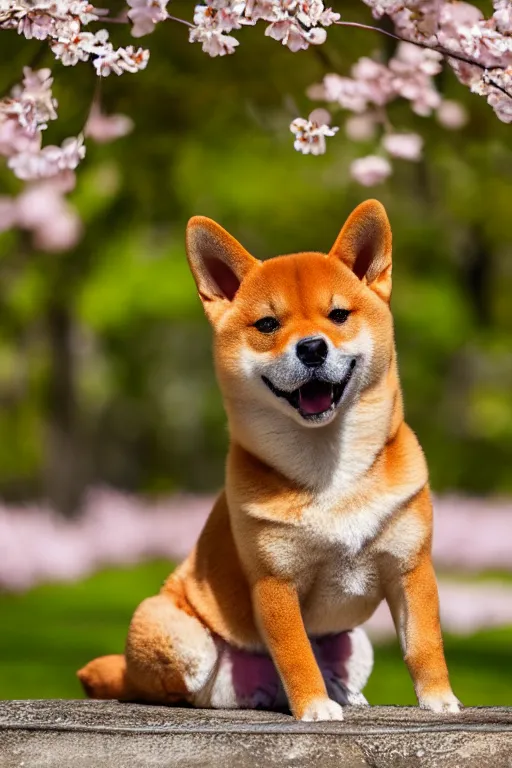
(303,333)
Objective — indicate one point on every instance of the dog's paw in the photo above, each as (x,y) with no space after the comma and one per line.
(322,709)
(440,702)
(356,699)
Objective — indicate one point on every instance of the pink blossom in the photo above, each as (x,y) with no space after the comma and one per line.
(48,161)
(105,58)
(503,16)
(42,210)
(31,104)
(452,115)
(8,213)
(310,136)
(294,36)
(501,104)
(295,24)
(348,93)
(127,59)
(412,70)
(14,138)
(454,26)
(214,42)
(370,170)
(360,127)
(145,14)
(44,19)
(62,233)
(104,128)
(375,80)
(453,16)
(382,7)
(254,10)
(408,75)
(407,146)
(61,22)
(320,116)
(71,50)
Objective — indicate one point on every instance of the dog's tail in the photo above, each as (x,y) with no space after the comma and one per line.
(106,678)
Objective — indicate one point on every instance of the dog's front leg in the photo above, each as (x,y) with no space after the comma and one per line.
(413,599)
(278,613)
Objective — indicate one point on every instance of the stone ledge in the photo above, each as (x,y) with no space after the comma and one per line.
(99,734)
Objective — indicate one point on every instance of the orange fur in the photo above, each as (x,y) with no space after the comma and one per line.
(319,521)
(277,608)
(105,678)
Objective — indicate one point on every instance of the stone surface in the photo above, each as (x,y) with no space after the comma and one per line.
(83,734)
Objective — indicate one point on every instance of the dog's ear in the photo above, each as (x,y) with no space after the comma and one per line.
(218,263)
(364,245)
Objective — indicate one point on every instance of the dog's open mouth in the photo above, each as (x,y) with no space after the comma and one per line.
(314,398)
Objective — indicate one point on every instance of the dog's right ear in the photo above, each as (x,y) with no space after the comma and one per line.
(218,263)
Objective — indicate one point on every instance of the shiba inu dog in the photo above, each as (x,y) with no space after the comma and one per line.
(326,509)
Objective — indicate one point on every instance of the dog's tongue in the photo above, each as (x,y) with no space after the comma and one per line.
(315,397)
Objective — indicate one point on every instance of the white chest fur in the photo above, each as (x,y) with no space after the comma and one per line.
(342,587)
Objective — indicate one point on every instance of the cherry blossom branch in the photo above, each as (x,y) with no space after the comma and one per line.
(181,21)
(123,19)
(438,49)
(478,49)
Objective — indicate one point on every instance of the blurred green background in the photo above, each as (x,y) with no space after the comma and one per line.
(105,366)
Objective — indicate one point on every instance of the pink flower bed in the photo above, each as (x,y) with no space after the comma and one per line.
(36,545)
(118,529)
(465,608)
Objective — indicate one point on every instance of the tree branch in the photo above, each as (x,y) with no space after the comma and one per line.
(438,49)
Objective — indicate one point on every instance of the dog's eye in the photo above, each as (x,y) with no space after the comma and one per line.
(267,324)
(339,316)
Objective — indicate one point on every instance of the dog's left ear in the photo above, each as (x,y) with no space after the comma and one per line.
(218,263)
(364,245)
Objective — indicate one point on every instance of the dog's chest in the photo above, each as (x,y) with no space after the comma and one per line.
(342,588)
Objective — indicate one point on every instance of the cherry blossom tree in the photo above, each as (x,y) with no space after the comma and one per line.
(429,34)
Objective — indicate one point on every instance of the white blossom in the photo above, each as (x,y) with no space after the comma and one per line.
(310,136)
(61,22)
(296,24)
(213,41)
(120,60)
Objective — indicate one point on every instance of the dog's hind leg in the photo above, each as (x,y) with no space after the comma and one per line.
(346,661)
(170,654)
(169,657)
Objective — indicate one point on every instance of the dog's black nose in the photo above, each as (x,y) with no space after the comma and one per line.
(312,352)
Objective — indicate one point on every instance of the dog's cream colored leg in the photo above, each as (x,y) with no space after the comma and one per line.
(170,654)
(278,612)
(414,603)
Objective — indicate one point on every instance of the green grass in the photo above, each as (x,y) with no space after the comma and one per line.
(48,633)
(479,671)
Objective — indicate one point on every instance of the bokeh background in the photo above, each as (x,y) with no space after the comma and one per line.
(113,432)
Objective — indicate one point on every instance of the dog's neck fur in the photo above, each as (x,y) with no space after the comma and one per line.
(325,459)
